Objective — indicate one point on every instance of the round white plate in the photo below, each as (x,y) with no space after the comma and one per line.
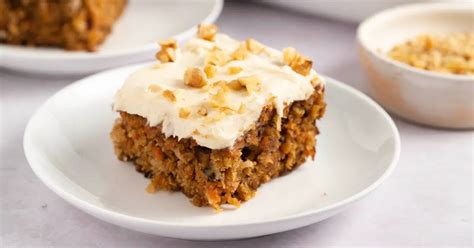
(133,39)
(67,145)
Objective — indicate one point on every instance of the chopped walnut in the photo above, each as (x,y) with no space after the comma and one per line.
(153,88)
(166,55)
(207,31)
(289,54)
(210,71)
(251,83)
(235,85)
(296,61)
(169,43)
(217,57)
(234,70)
(202,111)
(184,113)
(218,100)
(302,65)
(254,46)
(167,52)
(241,52)
(194,77)
(168,94)
(221,84)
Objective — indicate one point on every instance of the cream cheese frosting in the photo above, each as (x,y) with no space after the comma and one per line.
(146,93)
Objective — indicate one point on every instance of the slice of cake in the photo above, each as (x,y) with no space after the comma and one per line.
(70,24)
(218,117)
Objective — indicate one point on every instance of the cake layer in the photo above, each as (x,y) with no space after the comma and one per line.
(226,176)
(216,113)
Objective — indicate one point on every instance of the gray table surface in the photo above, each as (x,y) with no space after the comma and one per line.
(427,200)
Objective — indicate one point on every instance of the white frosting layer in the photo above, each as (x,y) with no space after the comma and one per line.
(279,84)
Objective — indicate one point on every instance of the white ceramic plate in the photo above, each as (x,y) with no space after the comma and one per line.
(134,38)
(68,147)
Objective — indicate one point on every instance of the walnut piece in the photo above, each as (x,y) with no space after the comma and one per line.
(222,85)
(234,70)
(166,55)
(302,65)
(251,83)
(254,46)
(241,52)
(207,31)
(184,113)
(296,61)
(202,111)
(168,94)
(217,57)
(289,54)
(218,100)
(210,71)
(169,43)
(167,52)
(195,77)
(235,85)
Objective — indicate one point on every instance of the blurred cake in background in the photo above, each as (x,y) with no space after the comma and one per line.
(69,24)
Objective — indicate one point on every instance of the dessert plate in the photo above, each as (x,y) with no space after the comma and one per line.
(67,145)
(134,38)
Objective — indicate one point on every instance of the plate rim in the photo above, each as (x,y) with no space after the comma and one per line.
(20,52)
(117,217)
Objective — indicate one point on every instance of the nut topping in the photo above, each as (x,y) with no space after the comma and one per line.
(254,46)
(168,94)
(241,52)
(234,70)
(207,31)
(210,71)
(194,77)
(296,61)
(184,113)
(217,57)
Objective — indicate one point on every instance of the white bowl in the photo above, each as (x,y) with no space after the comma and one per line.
(67,145)
(430,98)
(133,39)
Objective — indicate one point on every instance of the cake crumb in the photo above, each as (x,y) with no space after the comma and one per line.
(202,111)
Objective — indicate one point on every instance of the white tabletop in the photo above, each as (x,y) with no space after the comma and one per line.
(427,200)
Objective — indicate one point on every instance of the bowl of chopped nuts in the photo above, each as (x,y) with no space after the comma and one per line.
(419,59)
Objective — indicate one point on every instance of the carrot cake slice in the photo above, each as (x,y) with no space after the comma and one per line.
(70,24)
(218,117)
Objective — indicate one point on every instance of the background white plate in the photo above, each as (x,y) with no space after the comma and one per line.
(134,38)
(68,147)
